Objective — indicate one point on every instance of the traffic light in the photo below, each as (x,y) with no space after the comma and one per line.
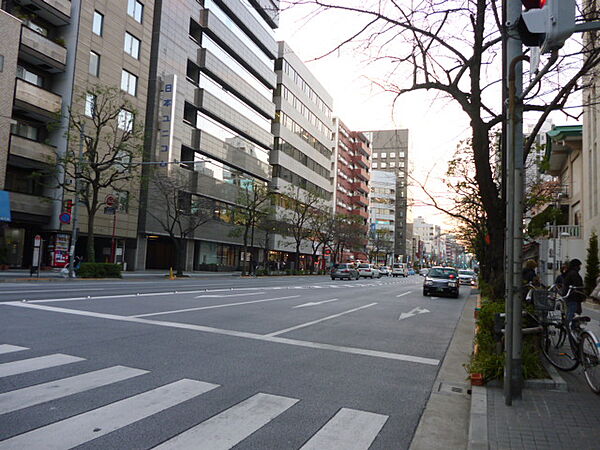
(547,23)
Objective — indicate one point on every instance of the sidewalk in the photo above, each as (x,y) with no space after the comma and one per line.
(16,275)
(541,419)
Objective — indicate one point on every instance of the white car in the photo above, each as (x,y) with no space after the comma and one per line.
(368,271)
(399,270)
(467,277)
(383,271)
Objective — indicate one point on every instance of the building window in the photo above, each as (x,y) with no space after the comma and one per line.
(383,165)
(132,46)
(90,104)
(125,120)
(384,155)
(98,23)
(29,76)
(25,130)
(135,9)
(94,64)
(129,82)
(392,154)
(392,164)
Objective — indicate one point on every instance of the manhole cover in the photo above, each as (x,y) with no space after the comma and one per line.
(452,388)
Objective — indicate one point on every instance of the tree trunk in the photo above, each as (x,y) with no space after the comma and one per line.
(245,253)
(297,256)
(178,256)
(90,253)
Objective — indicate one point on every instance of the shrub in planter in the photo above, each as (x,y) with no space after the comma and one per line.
(99,270)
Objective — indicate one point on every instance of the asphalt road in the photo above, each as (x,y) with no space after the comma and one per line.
(276,363)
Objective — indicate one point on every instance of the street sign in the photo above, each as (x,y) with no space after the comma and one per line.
(65,218)
(110,200)
(37,240)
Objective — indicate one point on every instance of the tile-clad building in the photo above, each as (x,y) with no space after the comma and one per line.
(351,171)
(64,46)
(382,206)
(303,130)
(390,153)
(218,57)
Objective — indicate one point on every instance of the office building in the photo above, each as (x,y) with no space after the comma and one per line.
(382,214)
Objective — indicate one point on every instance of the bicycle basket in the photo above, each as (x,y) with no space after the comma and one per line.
(543,300)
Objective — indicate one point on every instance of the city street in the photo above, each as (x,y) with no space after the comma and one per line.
(271,363)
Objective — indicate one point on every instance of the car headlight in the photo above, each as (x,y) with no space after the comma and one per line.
(473,282)
(452,284)
(428,282)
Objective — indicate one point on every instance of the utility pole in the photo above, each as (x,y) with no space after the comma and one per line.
(78,165)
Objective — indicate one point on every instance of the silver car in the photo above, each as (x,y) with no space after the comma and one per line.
(467,277)
(344,270)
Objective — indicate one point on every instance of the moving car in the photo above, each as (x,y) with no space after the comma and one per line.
(344,270)
(467,277)
(441,280)
(383,271)
(368,271)
(423,272)
(399,270)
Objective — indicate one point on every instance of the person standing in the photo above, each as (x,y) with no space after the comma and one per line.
(559,282)
(576,296)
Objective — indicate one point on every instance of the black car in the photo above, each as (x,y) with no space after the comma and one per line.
(441,280)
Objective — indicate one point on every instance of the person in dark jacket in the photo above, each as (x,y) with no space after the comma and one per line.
(576,297)
(559,282)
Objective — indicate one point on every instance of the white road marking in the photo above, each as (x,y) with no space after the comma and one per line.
(239,334)
(227,429)
(307,324)
(413,312)
(40,393)
(6,348)
(434,298)
(49,291)
(84,427)
(230,295)
(32,364)
(402,295)
(349,429)
(304,305)
(199,308)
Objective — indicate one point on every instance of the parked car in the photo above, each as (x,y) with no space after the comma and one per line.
(384,272)
(344,270)
(368,271)
(441,280)
(423,272)
(467,277)
(399,270)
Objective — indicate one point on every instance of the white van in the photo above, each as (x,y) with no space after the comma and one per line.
(399,270)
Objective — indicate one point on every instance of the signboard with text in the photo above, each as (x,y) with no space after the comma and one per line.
(166,117)
(4,206)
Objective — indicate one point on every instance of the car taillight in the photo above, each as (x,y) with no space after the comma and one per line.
(367,270)
(345,271)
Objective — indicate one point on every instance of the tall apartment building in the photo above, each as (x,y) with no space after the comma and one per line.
(382,207)
(52,52)
(212,80)
(351,171)
(303,130)
(390,153)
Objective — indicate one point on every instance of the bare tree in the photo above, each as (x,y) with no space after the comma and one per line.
(452,48)
(254,202)
(381,242)
(180,213)
(350,234)
(322,225)
(300,207)
(103,120)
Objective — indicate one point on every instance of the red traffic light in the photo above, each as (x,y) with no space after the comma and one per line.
(533,4)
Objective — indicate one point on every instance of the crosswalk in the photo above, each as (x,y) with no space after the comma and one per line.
(348,429)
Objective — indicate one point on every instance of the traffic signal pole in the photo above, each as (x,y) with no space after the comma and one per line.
(513,378)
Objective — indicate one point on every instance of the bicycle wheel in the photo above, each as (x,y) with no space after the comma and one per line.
(556,347)
(590,360)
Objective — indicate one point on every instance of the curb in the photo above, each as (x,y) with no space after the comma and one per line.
(557,383)
(478,427)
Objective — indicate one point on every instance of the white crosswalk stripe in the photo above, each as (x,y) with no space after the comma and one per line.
(5,348)
(40,393)
(230,427)
(349,429)
(31,364)
(84,427)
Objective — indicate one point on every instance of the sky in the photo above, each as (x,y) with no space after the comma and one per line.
(435,126)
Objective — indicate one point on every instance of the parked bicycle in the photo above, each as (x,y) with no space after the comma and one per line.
(567,345)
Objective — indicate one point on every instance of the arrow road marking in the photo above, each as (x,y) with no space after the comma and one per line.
(413,312)
(402,295)
(315,303)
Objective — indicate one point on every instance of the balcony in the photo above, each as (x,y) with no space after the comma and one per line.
(42,52)
(565,231)
(30,204)
(360,200)
(361,173)
(57,12)
(38,102)
(32,150)
(361,159)
(360,212)
(359,186)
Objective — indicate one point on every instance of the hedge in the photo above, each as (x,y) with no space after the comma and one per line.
(99,270)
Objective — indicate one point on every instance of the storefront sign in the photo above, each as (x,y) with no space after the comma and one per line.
(4,207)
(60,250)
(166,117)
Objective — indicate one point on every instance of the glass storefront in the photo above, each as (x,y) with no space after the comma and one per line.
(210,254)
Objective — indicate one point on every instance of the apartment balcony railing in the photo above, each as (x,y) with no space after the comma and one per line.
(360,212)
(361,173)
(361,200)
(565,231)
(40,50)
(37,100)
(28,149)
(56,12)
(360,159)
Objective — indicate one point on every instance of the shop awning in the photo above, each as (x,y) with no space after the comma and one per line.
(4,206)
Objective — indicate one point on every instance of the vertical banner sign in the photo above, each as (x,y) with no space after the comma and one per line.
(166,117)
